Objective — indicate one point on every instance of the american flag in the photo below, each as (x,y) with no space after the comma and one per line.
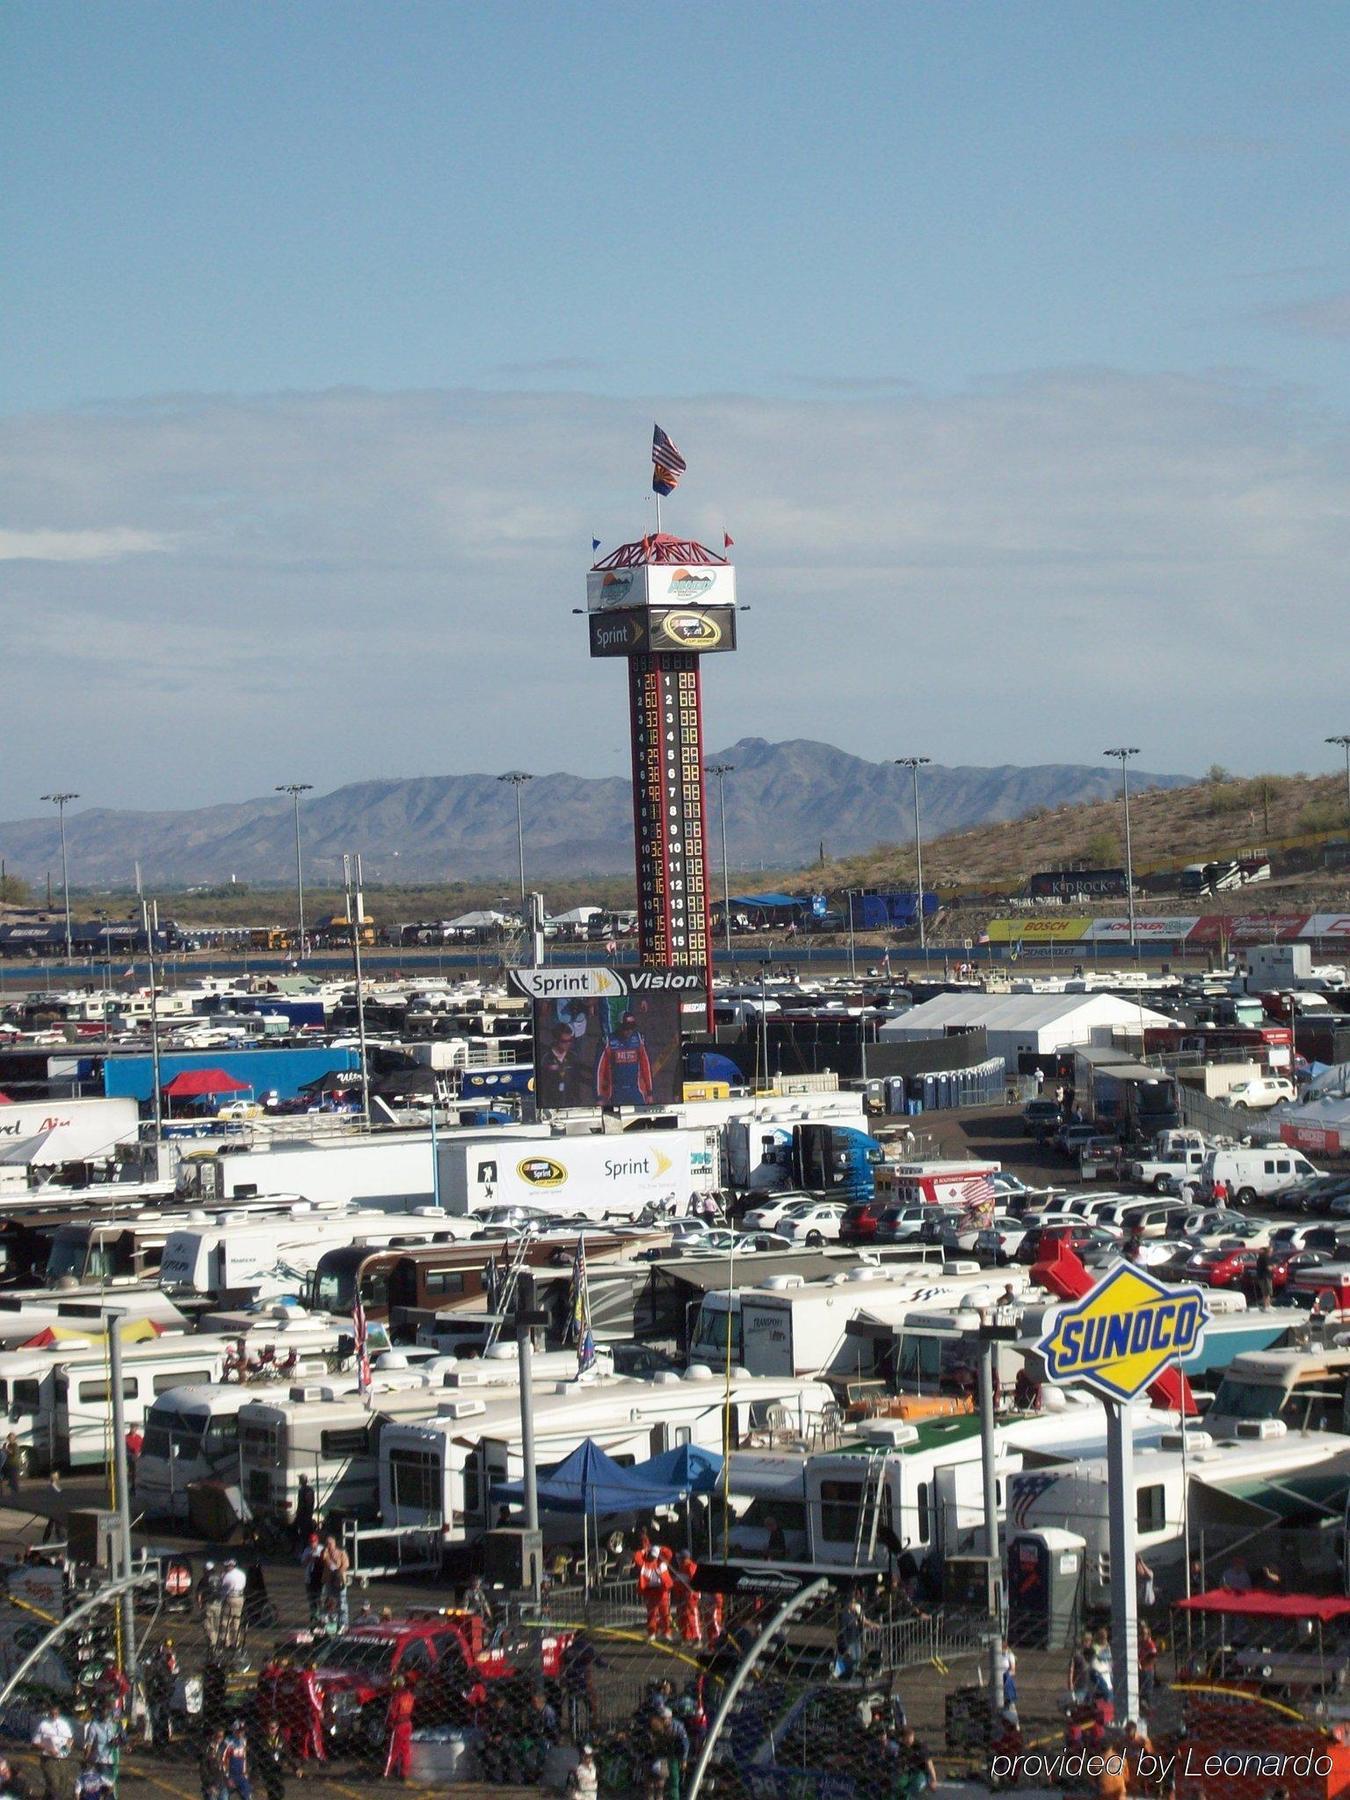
(362,1344)
(667,463)
(579,1320)
(978,1199)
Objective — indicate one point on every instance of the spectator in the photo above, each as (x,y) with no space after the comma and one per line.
(776,1549)
(1148,1663)
(269,1756)
(54,1740)
(476,1601)
(579,1663)
(236,1762)
(161,1682)
(211,1765)
(915,1764)
(233,1581)
(209,1604)
(304,1511)
(102,1743)
(336,1577)
(11,1461)
(1143,1577)
(1080,1671)
(686,1597)
(1236,1576)
(311,1563)
(135,1442)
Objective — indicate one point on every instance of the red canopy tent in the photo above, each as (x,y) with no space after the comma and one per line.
(1263,1604)
(203,1084)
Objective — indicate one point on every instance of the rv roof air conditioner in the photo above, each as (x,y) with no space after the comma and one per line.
(1261,1429)
(460,1409)
(894,1433)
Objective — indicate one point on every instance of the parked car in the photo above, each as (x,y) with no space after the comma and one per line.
(860,1221)
(998,1243)
(1041,1118)
(901,1223)
(1070,1138)
(768,1214)
(1260,1092)
(1072,1234)
(813,1225)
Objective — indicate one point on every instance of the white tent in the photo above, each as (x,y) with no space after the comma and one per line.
(1034,1024)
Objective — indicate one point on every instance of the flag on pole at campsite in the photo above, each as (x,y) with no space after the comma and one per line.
(667,463)
(579,1318)
(362,1345)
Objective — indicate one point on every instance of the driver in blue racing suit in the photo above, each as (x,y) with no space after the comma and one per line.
(623,1076)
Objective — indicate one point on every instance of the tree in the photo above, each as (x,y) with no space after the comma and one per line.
(1216,774)
(14,892)
(1102,850)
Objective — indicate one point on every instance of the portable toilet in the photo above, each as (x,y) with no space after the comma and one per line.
(1045,1588)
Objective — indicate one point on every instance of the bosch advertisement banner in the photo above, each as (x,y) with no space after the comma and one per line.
(607,1037)
(631,631)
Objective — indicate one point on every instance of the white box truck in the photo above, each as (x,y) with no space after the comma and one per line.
(48,1132)
(612,1175)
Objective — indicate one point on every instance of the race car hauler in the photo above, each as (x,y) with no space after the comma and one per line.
(618,1175)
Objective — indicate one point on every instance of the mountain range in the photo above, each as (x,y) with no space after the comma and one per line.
(783,801)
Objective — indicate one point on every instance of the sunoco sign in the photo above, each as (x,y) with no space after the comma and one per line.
(1120,1337)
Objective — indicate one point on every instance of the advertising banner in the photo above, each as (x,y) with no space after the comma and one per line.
(1321,1140)
(661,584)
(1158,929)
(632,631)
(607,1037)
(1247,928)
(1031,931)
(1327,925)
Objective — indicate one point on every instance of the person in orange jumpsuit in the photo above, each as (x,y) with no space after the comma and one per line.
(654,1585)
(399,1723)
(686,1598)
(312,1698)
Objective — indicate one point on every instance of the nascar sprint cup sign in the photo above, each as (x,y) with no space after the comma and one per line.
(1121,1335)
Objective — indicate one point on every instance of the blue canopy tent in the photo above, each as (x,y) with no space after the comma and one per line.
(716,1067)
(690,1468)
(591,1483)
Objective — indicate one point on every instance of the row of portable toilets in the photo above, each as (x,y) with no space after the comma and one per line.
(981,1086)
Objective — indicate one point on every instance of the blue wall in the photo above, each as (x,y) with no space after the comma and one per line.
(284,1070)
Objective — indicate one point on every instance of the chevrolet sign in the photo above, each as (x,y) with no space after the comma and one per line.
(1120,1336)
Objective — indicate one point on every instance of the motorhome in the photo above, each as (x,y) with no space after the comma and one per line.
(1184,1484)
(1306,1389)
(916,1484)
(441,1469)
(230,1255)
(395,1282)
(57,1397)
(790,1326)
(192,1433)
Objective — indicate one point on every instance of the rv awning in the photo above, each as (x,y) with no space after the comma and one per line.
(1262,1605)
(590,1481)
(203,1084)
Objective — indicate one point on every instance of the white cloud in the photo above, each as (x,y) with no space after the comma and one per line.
(383,583)
(78,546)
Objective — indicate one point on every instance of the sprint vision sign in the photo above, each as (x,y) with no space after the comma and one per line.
(1122,1334)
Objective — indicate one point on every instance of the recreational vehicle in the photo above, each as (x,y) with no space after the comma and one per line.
(276,1250)
(1307,1389)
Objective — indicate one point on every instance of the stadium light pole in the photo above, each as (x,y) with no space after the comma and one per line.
(1123,753)
(1343,739)
(517,779)
(721,771)
(59,802)
(914,764)
(295,789)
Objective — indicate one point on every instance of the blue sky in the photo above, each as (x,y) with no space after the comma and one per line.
(967,312)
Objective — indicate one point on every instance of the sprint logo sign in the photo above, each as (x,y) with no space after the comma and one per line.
(1122,1335)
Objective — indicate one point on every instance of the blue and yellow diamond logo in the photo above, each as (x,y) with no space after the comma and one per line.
(1120,1337)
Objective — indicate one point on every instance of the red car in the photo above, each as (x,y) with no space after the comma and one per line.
(442,1656)
(1230,1266)
(860,1221)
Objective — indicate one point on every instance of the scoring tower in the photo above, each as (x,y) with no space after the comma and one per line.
(662,603)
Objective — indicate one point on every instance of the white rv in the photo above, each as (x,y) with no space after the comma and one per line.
(270,1252)
(441,1469)
(793,1326)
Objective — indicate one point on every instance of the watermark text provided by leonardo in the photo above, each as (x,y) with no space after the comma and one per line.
(1055,1767)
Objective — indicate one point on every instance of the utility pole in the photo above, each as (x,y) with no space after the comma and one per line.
(119,1424)
(295,789)
(517,779)
(914,764)
(1123,753)
(721,771)
(355,913)
(1343,739)
(527,1317)
(59,802)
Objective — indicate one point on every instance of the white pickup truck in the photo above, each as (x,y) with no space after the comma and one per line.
(1181,1163)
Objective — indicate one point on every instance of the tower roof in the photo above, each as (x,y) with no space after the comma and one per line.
(660,547)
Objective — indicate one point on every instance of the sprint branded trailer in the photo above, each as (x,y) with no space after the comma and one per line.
(616,1175)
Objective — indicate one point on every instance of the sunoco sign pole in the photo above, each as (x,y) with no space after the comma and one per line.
(1127,1333)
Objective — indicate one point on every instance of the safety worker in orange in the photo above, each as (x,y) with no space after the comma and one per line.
(399,1724)
(654,1585)
(686,1597)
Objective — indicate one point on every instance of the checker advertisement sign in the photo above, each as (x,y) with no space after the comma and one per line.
(1120,1336)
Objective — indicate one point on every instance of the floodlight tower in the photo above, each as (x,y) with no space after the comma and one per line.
(662,603)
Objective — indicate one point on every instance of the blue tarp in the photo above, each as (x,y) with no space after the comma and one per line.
(717,1067)
(690,1468)
(589,1481)
(769,900)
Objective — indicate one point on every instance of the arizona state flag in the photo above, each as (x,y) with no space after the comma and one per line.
(667,463)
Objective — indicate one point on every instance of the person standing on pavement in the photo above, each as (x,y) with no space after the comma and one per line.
(236,1762)
(336,1575)
(209,1604)
(398,1722)
(233,1582)
(211,1765)
(161,1681)
(304,1511)
(54,1740)
(103,1744)
(12,1464)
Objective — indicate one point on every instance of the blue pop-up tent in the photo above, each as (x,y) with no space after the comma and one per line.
(689,1468)
(590,1481)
